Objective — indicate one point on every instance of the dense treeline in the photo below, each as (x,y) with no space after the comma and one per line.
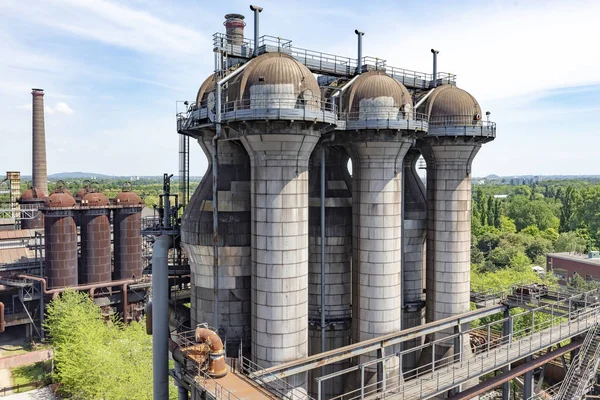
(515,226)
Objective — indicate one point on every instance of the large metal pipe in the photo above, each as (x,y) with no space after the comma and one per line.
(2,324)
(160,317)
(257,11)
(81,287)
(434,79)
(359,59)
(39,167)
(217,367)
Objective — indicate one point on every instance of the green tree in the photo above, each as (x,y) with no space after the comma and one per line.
(537,212)
(569,241)
(569,209)
(507,225)
(96,360)
(490,211)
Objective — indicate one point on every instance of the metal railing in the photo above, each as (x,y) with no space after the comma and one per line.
(441,374)
(495,355)
(278,108)
(582,369)
(277,386)
(328,64)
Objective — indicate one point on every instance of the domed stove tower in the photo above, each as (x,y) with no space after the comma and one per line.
(456,133)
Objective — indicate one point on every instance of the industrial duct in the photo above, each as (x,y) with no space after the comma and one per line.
(434,79)
(257,11)
(359,59)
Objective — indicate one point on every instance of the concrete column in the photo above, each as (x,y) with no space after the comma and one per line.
(279,194)
(448,233)
(377,159)
(415,211)
(234,253)
(338,258)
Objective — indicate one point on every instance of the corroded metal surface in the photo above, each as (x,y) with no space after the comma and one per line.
(60,240)
(34,197)
(127,228)
(95,262)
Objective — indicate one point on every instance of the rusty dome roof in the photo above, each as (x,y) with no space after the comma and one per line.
(450,101)
(95,199)
(274,69)
(32,194)
(207,87)
(128,198)
(59,199)
(61,190)
(81,193)
(372,85)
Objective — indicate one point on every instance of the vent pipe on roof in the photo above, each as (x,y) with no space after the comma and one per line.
(39,169)
(256,10)
(234,28)
(359,60)
(434,80)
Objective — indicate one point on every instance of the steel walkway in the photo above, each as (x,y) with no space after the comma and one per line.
(448,377)
(581,373)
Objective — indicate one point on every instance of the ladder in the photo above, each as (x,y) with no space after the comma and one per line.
(583,368)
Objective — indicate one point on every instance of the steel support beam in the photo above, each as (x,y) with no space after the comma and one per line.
(515,372)
(367,346)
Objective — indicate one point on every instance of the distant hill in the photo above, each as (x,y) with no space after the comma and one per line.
(78,175)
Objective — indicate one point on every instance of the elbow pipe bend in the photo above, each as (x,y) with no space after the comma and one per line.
(216,366)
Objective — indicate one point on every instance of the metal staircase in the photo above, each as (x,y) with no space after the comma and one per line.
(582,371)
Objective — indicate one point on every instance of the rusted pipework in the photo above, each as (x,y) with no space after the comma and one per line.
(216,366)
(2,324)
(91,287)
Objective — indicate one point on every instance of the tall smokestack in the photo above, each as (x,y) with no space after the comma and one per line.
(234,28)
(39,169)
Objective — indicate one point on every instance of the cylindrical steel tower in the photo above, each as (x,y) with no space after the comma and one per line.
(280,103)
(338,260)
(233,290)
(38,170)
(60,231)
(415,212)
(381,129)
(453,113)
(32,198)
(127,235)
(95,261)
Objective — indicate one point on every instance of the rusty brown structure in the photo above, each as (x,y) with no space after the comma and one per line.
(61,240)
(127,227)
(39,168)
(94,264)
(34,198)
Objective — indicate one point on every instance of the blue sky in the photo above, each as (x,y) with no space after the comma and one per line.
(113,70)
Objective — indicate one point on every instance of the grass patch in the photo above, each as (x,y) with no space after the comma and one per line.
(32,374)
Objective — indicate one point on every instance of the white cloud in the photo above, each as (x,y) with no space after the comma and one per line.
(63,108)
